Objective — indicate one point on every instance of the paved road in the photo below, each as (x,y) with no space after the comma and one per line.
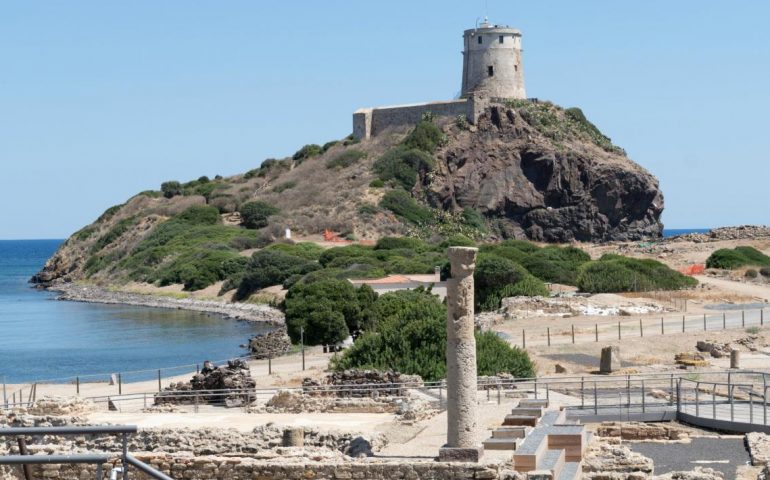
(722,454)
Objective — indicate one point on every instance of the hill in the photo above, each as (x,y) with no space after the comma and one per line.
(525,170)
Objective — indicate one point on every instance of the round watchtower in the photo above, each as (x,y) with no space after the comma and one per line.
(492,62)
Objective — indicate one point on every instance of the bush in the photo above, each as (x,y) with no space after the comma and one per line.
(613,273)
(200,215)
(738,257)
(410,338)
(306,152)
(492,276)
(284,186)
(304,300)
(425,137)
(113,234)
(171,188)
(255,214)
(306,250)
(496,356)
(345,159)
(458,240)
(404,166)
(393,243)
(765,272)
(751,273)
(474,219)
(198,269)
(267,268)
(403,205)
(367,209)
(376,183)
(329,145)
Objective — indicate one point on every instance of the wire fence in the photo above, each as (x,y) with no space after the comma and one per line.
(638,328)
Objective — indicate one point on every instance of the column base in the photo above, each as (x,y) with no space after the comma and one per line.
(457,454)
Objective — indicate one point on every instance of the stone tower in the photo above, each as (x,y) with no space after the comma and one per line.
(492,64)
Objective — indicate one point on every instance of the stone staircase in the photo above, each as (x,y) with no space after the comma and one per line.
(545,445)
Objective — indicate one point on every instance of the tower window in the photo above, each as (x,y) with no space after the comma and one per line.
(490,70)
(515,68)
(500,38)
(479,39)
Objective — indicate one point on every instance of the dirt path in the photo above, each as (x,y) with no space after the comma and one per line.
(750,289)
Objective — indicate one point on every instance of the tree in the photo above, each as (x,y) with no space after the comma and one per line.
(171,188)
(303,299)
(411,338)
(255,214)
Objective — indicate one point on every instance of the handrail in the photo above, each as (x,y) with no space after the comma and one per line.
(54,459)
(85,430)
(147,469)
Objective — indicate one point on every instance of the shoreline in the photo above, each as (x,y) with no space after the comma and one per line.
(247,312)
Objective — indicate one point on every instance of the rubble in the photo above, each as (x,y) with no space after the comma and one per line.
(714,348)
(202,386)
(604,459)
(688,359)
(270,345)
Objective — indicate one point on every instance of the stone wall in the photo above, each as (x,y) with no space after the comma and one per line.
(369,122)
(286,468)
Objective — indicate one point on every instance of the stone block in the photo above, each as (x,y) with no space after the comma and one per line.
(610,360)
(454,454)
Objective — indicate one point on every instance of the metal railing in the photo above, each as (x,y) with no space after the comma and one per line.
(98,459)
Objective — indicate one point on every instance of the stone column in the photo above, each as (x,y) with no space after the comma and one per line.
(735,359)
(462,421)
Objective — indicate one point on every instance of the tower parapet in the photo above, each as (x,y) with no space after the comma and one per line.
(492,62)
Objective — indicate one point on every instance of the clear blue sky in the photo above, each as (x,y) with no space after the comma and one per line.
(100,100)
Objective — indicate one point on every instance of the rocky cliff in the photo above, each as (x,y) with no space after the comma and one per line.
(548,175)
(526,170)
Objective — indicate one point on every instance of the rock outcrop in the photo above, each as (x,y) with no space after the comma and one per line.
(531,169)
(270,345)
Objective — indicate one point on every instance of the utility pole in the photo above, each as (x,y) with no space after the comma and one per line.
(302,345)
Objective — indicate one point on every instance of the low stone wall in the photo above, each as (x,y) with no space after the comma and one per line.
(641,431)
(286,468)
(362,383)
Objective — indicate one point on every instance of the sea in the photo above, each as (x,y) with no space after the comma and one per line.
(672,232)
(43,339)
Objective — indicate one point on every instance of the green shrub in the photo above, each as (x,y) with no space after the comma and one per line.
(345,159)
(496,356)
(393,243)
(255,214)
(306,250)
(284,186)
(308,151)
(404,166)
(613,273)
(458,240)
(350,140)
(339,297)
(171,188)
(403,205)
(410,337)
(109,213)
(376,183)
(197,269)
(85,233)
(492,276)
(367,209)
(474,219)
(251,173)
(113,234)
(269,267)
(751,273)
(425,137)
(200,215)
(738,257)
(329,145)
(765,271)
(529,286)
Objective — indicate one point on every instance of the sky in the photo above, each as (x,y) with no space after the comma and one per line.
(101,100)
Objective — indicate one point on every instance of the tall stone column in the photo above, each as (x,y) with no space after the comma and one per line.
(462,419)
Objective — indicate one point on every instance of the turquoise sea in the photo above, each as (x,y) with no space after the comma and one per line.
(671,232)
(41,338)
